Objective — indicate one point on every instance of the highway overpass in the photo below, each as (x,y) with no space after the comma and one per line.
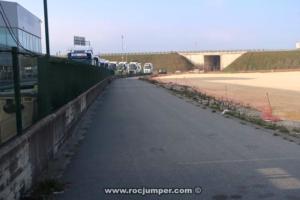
(212,60)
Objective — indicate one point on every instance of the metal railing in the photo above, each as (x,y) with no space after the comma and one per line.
(195,51)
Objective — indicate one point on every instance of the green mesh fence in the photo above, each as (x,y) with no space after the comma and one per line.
(61,80)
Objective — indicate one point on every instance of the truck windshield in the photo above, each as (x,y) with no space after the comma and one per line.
(132,67)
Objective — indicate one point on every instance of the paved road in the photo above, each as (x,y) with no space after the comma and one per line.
(143,136)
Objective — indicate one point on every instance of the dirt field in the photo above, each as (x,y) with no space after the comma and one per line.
(283,89)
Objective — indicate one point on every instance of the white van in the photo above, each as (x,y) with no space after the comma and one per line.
(148,68)
(133,68)
(122,68)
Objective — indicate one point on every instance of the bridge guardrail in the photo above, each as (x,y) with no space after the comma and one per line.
(194,51)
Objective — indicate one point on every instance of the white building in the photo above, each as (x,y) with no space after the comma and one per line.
(26,27)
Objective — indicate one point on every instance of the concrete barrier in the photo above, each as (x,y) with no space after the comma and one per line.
(24,158)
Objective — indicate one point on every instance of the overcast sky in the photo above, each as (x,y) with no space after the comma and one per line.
(162,25)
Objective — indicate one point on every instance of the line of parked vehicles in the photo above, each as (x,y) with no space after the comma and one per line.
(120,68)
(133,68)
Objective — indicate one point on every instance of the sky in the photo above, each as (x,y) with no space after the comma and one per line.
(171,25)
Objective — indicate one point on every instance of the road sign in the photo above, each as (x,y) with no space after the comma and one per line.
(80,41)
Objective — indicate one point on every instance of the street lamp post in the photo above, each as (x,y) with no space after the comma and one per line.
(122,37)
(46,28)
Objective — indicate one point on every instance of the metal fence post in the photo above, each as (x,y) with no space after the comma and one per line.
(17,89)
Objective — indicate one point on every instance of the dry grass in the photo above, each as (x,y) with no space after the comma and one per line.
(250,89)
(273,60)
(171,61)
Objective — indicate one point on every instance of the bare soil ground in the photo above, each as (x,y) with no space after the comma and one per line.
(281,89)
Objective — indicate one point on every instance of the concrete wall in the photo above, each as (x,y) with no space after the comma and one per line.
(24,158)
(196,59)
(227,58)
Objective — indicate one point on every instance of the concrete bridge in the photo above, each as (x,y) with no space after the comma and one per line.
(213,60)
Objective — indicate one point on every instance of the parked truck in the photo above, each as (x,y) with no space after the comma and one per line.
(133,68)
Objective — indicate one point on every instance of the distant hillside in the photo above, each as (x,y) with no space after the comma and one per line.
(277,60)
(171,61)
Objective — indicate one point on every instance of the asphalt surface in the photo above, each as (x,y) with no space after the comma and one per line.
(143,136)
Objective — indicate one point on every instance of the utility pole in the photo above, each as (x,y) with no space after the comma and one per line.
(46,28)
